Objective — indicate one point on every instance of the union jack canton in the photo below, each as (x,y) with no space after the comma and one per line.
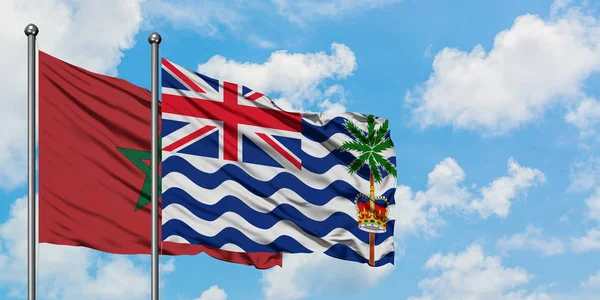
(198,108)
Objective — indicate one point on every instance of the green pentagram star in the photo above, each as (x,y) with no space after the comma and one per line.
(137,157)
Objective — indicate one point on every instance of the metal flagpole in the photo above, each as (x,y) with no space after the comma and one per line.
(154,40)
(31,32)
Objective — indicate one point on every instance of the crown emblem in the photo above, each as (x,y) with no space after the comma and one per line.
(372,213)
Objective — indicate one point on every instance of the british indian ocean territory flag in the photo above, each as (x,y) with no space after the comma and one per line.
(241,174)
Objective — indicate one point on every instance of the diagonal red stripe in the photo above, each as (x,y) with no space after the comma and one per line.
(180,75)
(281,151)
(254,96)
(189,137)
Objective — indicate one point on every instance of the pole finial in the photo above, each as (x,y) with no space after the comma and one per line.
(31,29)
(154,38)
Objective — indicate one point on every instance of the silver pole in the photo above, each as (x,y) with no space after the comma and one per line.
(154,40)
(31,32)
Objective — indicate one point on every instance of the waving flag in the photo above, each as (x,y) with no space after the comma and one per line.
(243,175)
(94,173)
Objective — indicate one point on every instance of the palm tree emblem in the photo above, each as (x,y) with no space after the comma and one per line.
(370,146)
(372,211)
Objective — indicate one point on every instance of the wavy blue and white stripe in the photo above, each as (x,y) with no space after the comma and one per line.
(251,208)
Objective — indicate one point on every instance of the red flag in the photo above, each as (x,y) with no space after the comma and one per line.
(94,173)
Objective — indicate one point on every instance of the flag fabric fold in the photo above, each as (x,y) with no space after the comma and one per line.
(243,175)
(94,173)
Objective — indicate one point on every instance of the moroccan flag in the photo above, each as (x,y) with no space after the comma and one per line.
(94,166)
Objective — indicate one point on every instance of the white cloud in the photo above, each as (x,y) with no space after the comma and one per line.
(209,18)
(301,11)
(587,243)
(334,101)
(296,77)
(260,42)
(168,266)
(585,174)
(524,295)
(415,213)
(331,103)
(68,272)
(566,217)
(588,291)
(593,205)
(533,65)
(532,239)
(420,211)
(117,278)
(591,241)
(593,282)
(213,293)
(331,108)
(428,50)
(497,196)
(585,116)
(472,275)
(559,6)
(201,16)
(319,273)
(76,31)
(443,185)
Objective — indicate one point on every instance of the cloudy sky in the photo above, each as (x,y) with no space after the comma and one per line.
(494,114)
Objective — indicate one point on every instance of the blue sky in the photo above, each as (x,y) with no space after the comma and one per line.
(493,112)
